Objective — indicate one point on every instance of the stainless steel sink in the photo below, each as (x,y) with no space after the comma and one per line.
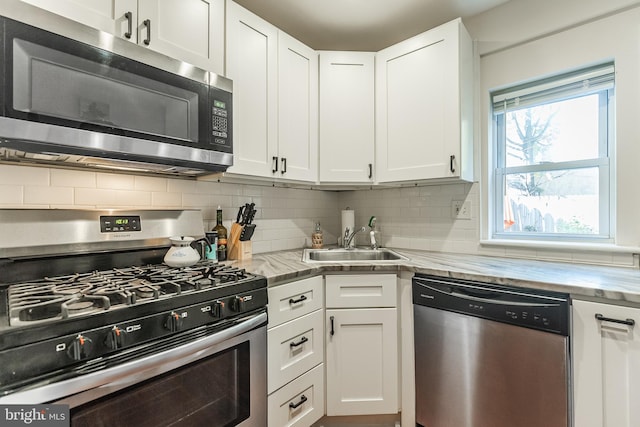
(350,255)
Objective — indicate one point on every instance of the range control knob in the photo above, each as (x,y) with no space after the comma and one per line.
(80,348)
(216,309)
(237,303)
(173,322)
(115,338)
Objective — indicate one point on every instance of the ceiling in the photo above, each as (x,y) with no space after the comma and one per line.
(366,25)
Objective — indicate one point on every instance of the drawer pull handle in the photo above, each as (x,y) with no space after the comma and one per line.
(303,399)
(299,343)
(332,330)
(296,301)
(629,322)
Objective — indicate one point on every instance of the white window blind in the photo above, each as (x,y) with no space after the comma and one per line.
(593,79)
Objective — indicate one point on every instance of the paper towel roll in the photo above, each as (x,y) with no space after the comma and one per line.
(348,221)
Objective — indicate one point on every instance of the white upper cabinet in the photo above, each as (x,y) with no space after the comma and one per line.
(297,110)
(188,30)
(275,93)
(105,15)
(424,102)
(252,64)
(347,125)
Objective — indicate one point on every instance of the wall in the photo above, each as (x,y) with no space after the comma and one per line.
(417,217)
(521,40)
(524,40)
(285,217)
(517,41)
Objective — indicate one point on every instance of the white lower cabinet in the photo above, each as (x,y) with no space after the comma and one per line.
(300,402)
(361,344)
(606,363)
(294,348)
(295,352)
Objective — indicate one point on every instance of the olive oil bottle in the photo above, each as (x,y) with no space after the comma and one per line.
(222,236)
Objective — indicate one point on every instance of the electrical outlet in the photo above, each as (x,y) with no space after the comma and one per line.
(461,209)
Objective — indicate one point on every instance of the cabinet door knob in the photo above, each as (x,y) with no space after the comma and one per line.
(628,322)
(332,330)
(284,165)
(274,159)
(370,170)
(147,23)
(451,159)
(129,17)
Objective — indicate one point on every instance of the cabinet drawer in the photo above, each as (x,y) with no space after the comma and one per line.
(293,348)
(288,407)
(286,302)
(362,290)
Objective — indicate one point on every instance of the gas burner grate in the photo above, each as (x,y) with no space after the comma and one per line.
(62,297)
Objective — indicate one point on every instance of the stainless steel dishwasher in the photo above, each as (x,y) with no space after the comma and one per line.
(490,356)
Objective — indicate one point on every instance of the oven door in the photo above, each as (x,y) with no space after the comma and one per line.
(217,380)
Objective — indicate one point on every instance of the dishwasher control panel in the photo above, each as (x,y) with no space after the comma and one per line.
(543,310)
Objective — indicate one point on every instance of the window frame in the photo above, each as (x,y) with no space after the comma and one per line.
(557,88)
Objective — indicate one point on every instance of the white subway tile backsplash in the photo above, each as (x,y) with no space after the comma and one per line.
(73,178)
(114,181)
(150,183)
(166,200)
(107,198)
(11,195)
(48,195)
(24,175)
(408,217)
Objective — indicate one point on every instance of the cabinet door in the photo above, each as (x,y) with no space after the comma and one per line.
(105,15)
(297,110)
(252,65)
(362,361)
(188,30)
(606,362)
(346,116)
(422,116)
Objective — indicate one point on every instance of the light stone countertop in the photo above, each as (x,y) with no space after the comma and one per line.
(613,283)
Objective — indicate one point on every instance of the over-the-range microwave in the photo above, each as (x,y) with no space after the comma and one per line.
(93,100)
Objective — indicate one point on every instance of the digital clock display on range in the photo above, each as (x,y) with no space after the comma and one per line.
(118,224)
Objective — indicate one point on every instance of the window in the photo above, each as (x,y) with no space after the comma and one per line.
(552,176)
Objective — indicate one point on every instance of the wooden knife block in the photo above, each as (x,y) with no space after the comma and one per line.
(241,250)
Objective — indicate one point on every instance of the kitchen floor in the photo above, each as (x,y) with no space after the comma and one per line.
(360,421)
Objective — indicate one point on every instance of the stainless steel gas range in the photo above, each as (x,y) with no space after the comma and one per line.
(90,317)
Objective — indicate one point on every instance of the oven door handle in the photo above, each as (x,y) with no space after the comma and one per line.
(134,371)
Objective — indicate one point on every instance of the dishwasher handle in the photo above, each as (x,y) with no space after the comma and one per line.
(480,296)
